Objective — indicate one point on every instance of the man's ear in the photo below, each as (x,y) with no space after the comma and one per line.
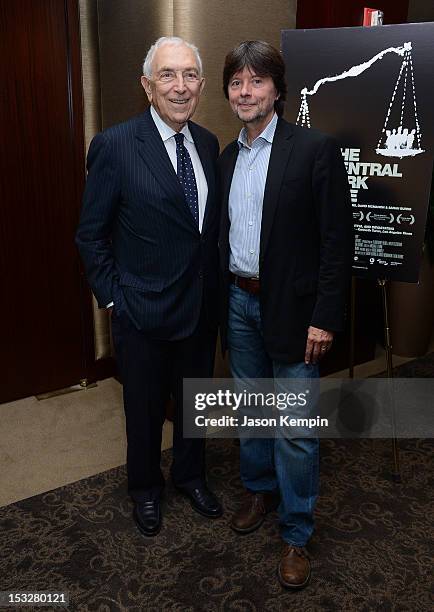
(146,84)
(202,84)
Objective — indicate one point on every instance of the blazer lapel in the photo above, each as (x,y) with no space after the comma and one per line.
(153,152)
(226,168)
(280,153)
(227,172)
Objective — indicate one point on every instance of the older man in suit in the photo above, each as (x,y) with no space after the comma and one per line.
(148,239)
(286,243)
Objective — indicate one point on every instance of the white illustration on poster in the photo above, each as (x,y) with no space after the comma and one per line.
(402,140)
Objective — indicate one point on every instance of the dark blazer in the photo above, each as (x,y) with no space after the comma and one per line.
(306,239)
(137,238)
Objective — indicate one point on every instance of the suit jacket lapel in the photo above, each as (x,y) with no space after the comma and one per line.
(153,152)
(280,153)
(208,168)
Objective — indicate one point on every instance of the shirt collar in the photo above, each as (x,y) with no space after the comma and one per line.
(166,131)
(266,134)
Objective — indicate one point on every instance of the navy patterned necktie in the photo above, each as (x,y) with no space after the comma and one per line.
(186,176)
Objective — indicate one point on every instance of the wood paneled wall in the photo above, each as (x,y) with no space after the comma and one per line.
(42,345)
(344,13)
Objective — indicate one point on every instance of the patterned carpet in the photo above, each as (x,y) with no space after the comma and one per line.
(371,551)
(417,368)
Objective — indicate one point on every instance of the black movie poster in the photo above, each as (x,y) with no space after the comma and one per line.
(373,89)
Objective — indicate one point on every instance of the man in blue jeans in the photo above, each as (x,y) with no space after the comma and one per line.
(285,245)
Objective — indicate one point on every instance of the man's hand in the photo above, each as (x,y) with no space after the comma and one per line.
(318,343)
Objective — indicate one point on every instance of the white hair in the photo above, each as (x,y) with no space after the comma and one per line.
(168,40)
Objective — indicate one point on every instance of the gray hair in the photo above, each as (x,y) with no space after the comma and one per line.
(168,40)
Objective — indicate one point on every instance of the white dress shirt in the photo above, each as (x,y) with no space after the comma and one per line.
(167,136)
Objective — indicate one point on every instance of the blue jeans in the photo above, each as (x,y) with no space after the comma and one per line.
(288,466)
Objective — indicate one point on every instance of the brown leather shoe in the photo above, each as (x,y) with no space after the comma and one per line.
(294,567)
(252,513)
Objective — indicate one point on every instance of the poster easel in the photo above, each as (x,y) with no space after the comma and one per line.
(377,20)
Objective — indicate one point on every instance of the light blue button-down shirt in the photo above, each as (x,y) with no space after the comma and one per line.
(245,201)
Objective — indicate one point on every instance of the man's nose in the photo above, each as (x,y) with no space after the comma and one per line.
(246,89)
(180,83)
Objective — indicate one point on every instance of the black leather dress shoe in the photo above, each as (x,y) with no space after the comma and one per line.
(203,501)
(147,516)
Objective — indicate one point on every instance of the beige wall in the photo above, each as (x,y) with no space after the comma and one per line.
(126,28)
(216,27)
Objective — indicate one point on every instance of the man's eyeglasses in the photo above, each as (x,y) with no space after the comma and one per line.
(167,76)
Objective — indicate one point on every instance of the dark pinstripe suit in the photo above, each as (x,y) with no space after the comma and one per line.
(141,249)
